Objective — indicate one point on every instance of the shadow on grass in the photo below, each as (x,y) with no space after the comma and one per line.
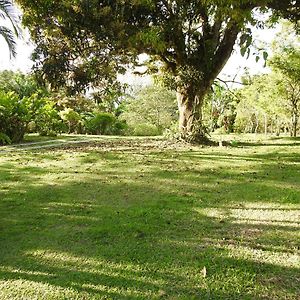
(147,233)
(270,142)
(292,143)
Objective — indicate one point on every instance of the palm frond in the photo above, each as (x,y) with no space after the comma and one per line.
(7,11)
(9,37)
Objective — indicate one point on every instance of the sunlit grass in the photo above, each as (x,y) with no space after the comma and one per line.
(118,218)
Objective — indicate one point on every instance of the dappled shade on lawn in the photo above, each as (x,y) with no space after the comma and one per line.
(142,222)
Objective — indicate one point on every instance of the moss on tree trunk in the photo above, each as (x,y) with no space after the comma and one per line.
(190,105)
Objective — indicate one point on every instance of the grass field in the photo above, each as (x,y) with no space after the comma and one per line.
(144,219)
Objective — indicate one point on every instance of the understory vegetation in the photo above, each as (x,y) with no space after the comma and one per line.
(136,218)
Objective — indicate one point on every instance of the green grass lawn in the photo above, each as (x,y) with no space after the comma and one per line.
(145,219)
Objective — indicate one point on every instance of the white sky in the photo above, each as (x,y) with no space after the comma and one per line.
(235,65)
(22,62)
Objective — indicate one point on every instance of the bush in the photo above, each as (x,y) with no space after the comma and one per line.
(100,123)
(14,117)
(145,130)
(72,120)
(46,118)
(119,128)
(4,139)
(104,124)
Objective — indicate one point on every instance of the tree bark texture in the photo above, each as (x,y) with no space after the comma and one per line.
(190,105)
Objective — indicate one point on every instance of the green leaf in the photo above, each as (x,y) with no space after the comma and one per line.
(243,51)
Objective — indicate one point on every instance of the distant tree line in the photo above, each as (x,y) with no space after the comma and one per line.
(26,106)
(268,103)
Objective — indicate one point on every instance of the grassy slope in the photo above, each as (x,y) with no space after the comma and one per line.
(133,220)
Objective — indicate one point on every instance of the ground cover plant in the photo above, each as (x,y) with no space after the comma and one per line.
(135,218)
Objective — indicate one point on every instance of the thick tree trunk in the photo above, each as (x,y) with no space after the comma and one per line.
(194,82)
(190,106)
(185,108)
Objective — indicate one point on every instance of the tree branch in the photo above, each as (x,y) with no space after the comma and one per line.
(231,81)
(225,49)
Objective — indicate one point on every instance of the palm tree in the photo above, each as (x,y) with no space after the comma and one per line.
(7,12)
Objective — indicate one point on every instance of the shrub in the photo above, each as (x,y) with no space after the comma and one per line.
(120,127)
(145,130)
(100,123)
(105,124)
(46,118)
(14,116)
(4,139)
(72,119)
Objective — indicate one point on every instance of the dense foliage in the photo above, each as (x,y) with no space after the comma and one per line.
(286,63)
(272,101)
(264,105)
(14,116)
(84,43)
(18,104)
(26,106)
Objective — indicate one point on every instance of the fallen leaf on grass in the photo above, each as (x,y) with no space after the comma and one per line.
(204,272)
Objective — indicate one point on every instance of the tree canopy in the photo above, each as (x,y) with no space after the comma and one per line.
(85,43)
(286,62)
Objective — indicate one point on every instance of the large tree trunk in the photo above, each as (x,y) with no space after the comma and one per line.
(190,106)
(194,82)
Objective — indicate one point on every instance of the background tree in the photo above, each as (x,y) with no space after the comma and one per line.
(286,62)
(151,111)
(7,12)
(264,106)
(252,114)
(83,42)
(220,109)
(14,117)
(24,85)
